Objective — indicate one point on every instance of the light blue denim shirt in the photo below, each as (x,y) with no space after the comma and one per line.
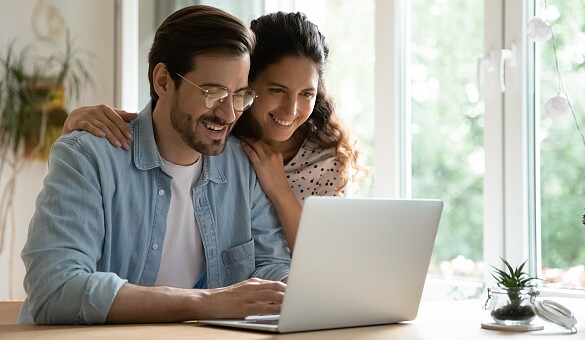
(100,221)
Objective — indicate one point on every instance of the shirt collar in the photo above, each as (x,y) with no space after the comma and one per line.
(146,155)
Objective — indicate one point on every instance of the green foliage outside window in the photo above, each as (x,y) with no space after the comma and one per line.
(447,117)
(562,155)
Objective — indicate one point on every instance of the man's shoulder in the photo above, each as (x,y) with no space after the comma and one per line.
(233,149)
(234,141)
(82,139)
(233,161)
(88,145)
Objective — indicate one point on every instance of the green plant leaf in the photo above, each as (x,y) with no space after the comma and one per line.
(512,277)
(31,93)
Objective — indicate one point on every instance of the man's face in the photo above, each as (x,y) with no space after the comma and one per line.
(203,129)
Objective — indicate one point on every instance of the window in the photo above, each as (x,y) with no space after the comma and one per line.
(447,116)
(559,164)
(509,175)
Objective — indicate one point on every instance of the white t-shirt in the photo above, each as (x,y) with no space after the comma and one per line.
(183,260)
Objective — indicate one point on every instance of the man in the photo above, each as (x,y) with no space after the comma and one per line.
(122,237)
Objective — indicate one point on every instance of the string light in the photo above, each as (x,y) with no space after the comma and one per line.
(558,105)
(538,30)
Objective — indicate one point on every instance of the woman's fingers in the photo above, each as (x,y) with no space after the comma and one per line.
(251,153)
(102,121)
(94,130)
(126,117)
(260,148)
(105,129)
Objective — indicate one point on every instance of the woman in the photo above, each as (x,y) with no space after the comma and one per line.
(291,133)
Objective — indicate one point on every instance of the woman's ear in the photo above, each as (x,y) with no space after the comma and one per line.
(163,83)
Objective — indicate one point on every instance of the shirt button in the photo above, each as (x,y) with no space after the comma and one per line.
(161,192)
(154,246)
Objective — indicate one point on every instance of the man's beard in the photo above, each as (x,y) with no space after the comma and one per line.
(186,128)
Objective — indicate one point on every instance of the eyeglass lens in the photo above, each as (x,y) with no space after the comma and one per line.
(215,96)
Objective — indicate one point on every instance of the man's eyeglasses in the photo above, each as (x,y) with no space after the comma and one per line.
(216,95)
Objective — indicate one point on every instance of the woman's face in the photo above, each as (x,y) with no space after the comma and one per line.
(286,97)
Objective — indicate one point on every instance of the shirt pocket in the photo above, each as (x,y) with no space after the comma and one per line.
(239,262)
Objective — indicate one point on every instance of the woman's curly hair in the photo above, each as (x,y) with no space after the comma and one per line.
(279,35)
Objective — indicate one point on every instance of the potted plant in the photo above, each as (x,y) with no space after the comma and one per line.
(512,302)
(32,99)
(33,95)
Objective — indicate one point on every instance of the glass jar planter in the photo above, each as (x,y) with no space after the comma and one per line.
(511,306)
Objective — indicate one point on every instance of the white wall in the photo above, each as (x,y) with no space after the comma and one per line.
(92,27)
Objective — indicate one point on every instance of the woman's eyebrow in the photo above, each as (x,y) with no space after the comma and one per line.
(310,88)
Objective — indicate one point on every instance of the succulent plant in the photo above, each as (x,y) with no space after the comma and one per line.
(515,282)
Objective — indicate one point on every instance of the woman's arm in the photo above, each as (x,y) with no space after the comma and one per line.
(269,167)
(102,121)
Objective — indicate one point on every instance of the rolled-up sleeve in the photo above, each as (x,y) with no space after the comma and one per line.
(65,242)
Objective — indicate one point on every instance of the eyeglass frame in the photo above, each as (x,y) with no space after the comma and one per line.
(221,100)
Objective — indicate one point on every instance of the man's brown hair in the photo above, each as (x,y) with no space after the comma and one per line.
(193,31)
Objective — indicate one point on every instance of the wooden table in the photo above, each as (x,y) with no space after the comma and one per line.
(9,311)
(436,320)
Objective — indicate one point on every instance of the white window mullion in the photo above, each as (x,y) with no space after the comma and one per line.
(534,135)
(126,95)
(516,136)
(392,131)
(494,200)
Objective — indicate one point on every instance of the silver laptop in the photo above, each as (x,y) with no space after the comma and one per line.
(357,262)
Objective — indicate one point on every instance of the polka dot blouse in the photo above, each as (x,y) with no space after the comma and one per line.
(314,171)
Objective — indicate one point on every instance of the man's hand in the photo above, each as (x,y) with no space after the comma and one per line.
(102,121)
(250,297)
(139,304)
